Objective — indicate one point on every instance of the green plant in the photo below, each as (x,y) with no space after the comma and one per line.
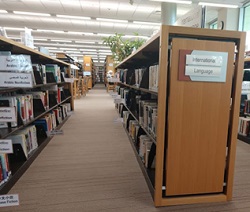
(120,47)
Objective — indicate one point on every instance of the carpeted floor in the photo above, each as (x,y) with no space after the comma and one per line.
(92,167)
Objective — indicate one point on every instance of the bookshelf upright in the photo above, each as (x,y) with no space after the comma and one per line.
(199,83)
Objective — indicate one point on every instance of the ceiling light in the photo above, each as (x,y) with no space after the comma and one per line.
(84,42)
(135,36)
(76,33)
(46,30)
(218,5)
(51,48)
(88,33)
(14,28)
(89,50)
(73,17)
(147,23)
(174,1)
(3,11)
(40,39)
(104,35)
(69,48)
(111,20)
(14,38)
(31,13)
(64,41)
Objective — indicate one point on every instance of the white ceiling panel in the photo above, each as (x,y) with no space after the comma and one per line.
(139,10)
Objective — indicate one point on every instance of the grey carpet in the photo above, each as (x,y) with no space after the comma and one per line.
(92,167)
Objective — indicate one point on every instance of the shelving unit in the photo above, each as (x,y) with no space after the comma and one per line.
(88,66)
(19,167)
(194,114)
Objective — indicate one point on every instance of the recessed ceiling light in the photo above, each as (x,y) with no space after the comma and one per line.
(111,20)
(73,17)
(146,23)
(218,5)
(47,30)
(174,1)
(14,28)
(3,11)
(64,41)
(31,13)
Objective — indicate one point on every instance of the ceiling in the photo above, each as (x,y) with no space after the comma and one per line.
(73,26)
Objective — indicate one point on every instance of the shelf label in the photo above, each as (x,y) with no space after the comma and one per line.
(202,66)
(9,200)
(21,80)
(8,114)
(245,87)
(6,146)
(111,64)
(55,132)
(87,64)
(15,63)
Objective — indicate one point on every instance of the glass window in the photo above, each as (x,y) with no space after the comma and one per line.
(213,25)
(246,23)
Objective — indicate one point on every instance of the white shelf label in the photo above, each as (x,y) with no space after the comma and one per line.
(202,71)
(55,132)
(204,60)
(9,200)
(7,114)
(21,80)
(6,146)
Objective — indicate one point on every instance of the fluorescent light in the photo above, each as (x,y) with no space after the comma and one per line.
(31,13)
(14,38)
(51,48)
(89,50)
(64,41)
(104,35)
(84,42)
(40,39)
(47,30)
(69,48)
(14,28)
(88,33)
(174,1)
(218,5)
(75,33)
(135,36)
(73,17)
(147,23)
(111,20)
(3,11)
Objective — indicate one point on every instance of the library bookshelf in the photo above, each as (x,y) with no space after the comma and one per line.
(55,103)
(197,118)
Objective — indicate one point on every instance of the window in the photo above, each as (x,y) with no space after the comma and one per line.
(213,25)
(246,22)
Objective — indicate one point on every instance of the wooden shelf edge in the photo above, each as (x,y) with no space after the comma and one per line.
(192,200)
(13,179)
(149,135)
(143,168)
(140,89)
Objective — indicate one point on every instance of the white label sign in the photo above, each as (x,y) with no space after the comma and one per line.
(204,60)
(245,87)
(55,132)
(22,80)
(7,114)
(6,147)
(87,64)
(202,71)
(15,63)
(9,200)
(111,64)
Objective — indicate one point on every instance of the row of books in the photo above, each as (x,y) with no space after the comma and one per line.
(5,171)
(142,78)
(141,141)
(247,106)
(52,119)
(148,115)
(244,126)
(24,106)
(27,138)
(48,68)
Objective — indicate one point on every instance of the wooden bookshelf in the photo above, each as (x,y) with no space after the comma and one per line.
(139,89)
(39,111)
(194,114)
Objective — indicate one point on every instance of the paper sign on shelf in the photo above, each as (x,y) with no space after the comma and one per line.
(7,114)
(9,200)
(55,132)
(6,146)
(13,79)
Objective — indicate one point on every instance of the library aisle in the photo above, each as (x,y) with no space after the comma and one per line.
(92,167)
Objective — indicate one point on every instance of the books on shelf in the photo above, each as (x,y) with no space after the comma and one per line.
(244,126)
(27,138)
(5,171)
(55,69)
(153,78)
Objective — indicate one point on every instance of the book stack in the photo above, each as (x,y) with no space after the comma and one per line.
(152,120)
(27,138)
(247,106)
(41,69)
(144,106)
(125,118)
(5,172)
(138,76)
(55,69)
(133,129)
(153,78)
(244,126)
(144,148)
(41,95)
(46,122)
